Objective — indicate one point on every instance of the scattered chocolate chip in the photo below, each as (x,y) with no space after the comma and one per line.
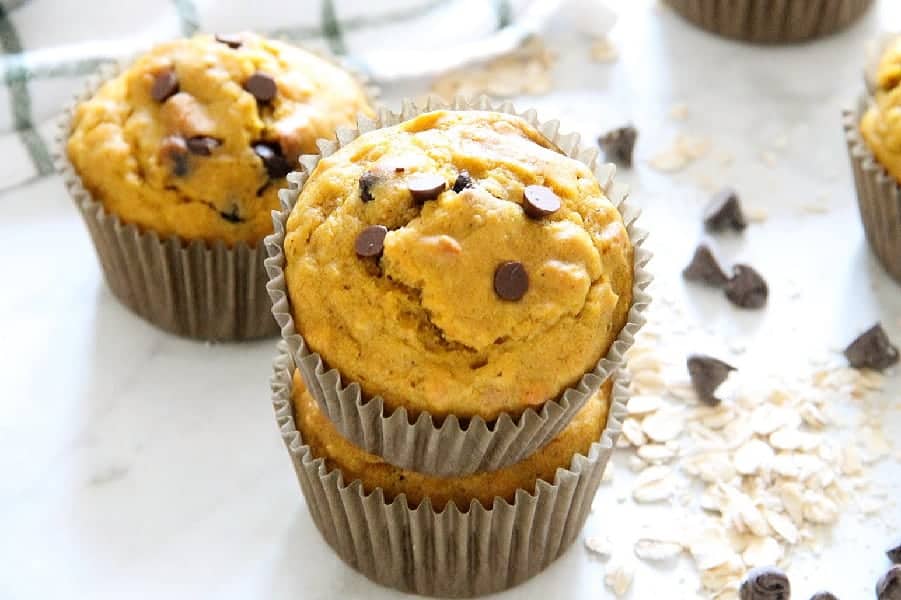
(872,350)
(539,201)
(232,216)
(889,585)
(894,553)
(426,186)
(724,212)
(202,145)
(707,374)
(618,145)
(174,149)
(367,180)
(165,85)
(271,154)
(261,86)
(746,288)
(371,241)
(824,596)
(511,280)
(463,181)
(233,41)
(704,268)
(765,583)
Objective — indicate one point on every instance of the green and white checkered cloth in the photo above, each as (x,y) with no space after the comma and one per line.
(51,46)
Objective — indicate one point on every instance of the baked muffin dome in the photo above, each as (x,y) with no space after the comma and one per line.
(195,138)
(459,264)
(318,432)
(881,124)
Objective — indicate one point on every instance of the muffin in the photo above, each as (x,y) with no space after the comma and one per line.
(771,21)
(873,133)
(191,143)
(433,546)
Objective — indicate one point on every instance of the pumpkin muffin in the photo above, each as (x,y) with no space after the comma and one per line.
(457,263)
(881,123)
(195,138)
(319,433)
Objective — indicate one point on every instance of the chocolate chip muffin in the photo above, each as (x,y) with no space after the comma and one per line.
(195,138)
(881,123)
(457,263)
(320,434)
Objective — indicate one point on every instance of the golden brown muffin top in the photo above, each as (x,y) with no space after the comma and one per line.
(881,124)
(432,312)
(196,136)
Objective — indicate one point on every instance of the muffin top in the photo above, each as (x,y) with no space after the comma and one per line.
(318,432)
(195,138)
(881,124)
(457,263)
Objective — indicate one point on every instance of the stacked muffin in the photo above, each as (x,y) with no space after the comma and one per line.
(456,292)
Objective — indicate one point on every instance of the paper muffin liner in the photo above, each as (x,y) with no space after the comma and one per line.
(454,445)
(878,194)
(771,21)
(453,552)
(187,287)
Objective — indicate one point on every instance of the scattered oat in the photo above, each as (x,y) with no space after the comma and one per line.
(643,404)
(756,214)
(600,545)
(632,431)
(684,150)
(662,426)
(657,550)
(761,552)
(604,51)
(619,577)
(653,484)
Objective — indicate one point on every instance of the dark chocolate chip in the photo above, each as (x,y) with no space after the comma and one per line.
(765,583)
(511,280)
(746,288)
(202,145)
(261,86)
(889,585)
(232,216)
(175,150)
(539,201)
(463,181)
(371,241)
(724,212)
(824,596)
(367,181)
(165,85)
(233,41)
(707,374)
(618,145)
(894,553)
(426,186)
(872,350)
(270,153)
(704,268)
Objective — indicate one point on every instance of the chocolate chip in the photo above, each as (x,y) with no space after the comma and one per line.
(165,85)
(539,201)
(261,86)
(724,212)
(271,154)
(894,553)
(746,288)
(765,583)
(174,149)
(367,181)
(463,181)
(233,215)
(707,374)
(618,145)
(704,268)
(824,596)
(426,186)
(889,585)
(371,241)
(202,145)
(511,280)
(233,41)
(872,350)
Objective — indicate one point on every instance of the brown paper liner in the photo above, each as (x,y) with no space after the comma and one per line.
(878,194)
(771,21)
(455,446)
(454,552)
(187,287)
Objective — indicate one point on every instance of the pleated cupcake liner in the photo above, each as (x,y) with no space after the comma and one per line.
(878,194)
(771,21)
(456,444)
(191,288)
(454,552)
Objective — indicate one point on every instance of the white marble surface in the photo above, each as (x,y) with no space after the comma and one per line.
(138,465)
